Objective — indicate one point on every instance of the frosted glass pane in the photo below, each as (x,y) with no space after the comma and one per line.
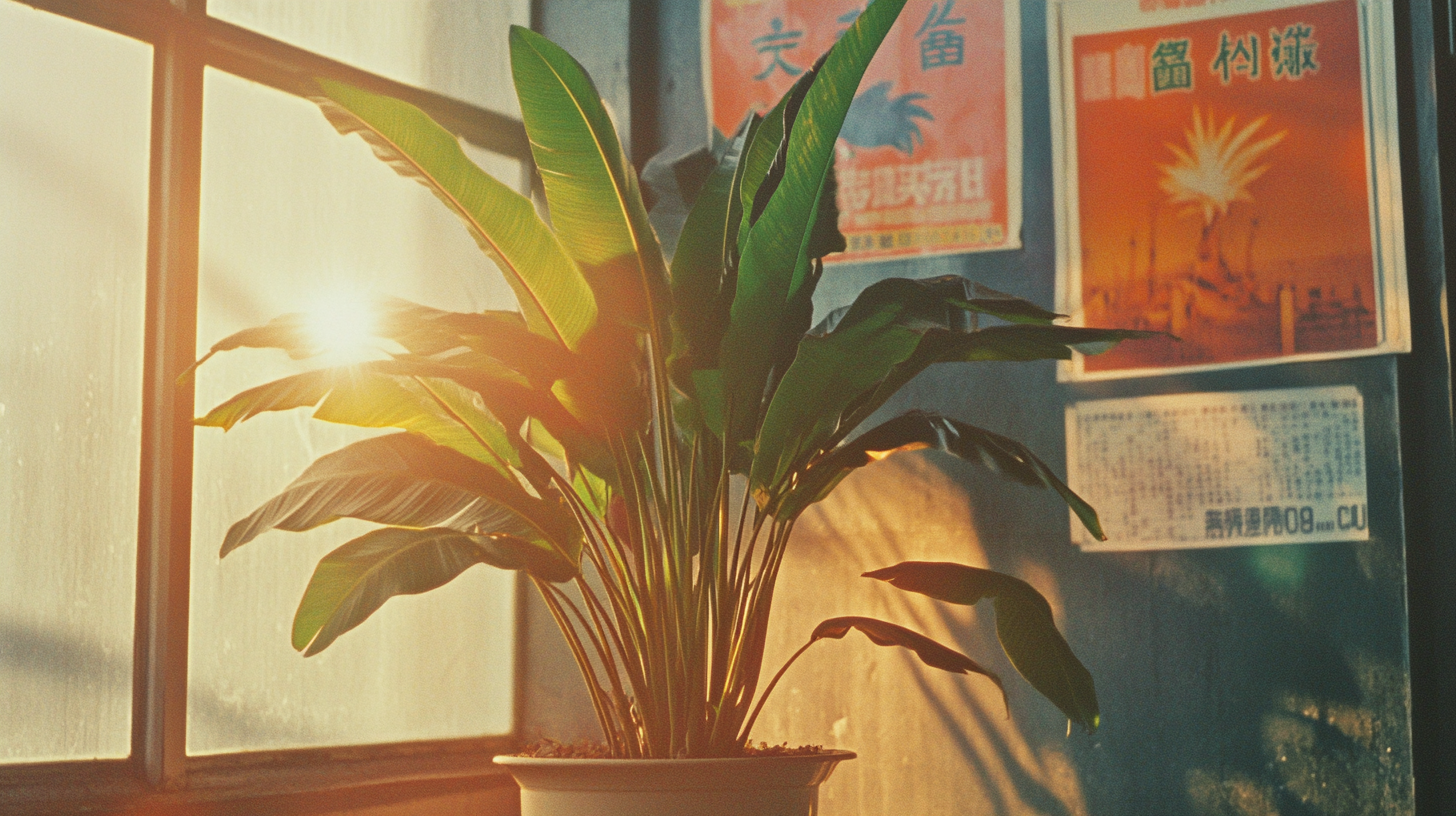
(293,212)
(454,47)
(74,113)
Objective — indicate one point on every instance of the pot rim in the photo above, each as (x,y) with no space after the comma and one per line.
(831,754)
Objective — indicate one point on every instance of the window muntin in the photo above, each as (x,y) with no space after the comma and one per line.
(74,131)
(454,47)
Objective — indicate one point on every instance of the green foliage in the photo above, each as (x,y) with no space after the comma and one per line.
(1023,623)
(640,437)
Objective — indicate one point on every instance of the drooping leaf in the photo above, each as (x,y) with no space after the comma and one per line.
(287,393)
(1024,626)
(406,480)
(884,633)
(919,430)
(353,581)
(554,296)
(591,187)
(775,263)
(288,332)
(947,300)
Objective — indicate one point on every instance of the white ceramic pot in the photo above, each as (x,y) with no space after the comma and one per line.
(751,786)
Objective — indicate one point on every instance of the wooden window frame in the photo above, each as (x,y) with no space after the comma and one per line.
(158,777)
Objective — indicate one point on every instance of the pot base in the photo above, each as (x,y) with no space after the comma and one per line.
(748,786)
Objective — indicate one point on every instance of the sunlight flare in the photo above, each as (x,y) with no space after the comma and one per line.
(342,325)
(1218,166)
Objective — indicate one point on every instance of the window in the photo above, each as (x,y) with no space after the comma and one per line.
(162,185)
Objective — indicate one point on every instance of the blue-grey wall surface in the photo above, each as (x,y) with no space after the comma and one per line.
(1261,680)
(1257,680)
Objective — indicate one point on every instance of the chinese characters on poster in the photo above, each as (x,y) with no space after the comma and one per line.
(1222,170)
(929,160)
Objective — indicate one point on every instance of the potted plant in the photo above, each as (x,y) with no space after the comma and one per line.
(640,437)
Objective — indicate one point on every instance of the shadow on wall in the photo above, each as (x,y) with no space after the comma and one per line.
(34,659)
(1238,681)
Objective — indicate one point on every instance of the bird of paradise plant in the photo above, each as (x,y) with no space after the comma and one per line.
(640,437)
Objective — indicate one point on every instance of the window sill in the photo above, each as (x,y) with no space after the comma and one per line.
(429,777)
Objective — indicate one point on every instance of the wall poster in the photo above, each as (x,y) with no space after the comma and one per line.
(929,160)
(1227,172)
(1227,469)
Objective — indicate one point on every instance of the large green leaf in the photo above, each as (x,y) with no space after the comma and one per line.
(1026,342)
(591,187)
(383,395)
(440,410)
(405,480)
(895,329)
(295,391)
(775,263)
(554,296)
(502,336)
(884,633)
(353,581)
(827,374)
(918,430)
(1023,623)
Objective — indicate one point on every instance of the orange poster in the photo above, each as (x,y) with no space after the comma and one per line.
(929,160)
(1225,188)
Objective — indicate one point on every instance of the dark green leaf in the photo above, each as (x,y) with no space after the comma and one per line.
(918,430)
(789,112)
(405,480)
(555,297)
(353,581)
(1014,343)
(883,633)
(824,236)
(700,271)
(775,264)
(895,329)
(1023,623)
(760,148)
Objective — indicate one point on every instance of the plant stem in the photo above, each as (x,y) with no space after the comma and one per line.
(752,718)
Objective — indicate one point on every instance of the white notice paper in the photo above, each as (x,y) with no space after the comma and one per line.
(1221,469)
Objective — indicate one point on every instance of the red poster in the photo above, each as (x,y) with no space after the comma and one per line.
(1224,188)
(929,159)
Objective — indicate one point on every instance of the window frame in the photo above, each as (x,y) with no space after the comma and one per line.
(159,776)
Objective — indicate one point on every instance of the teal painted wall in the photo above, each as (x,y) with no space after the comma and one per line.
(1233,681)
